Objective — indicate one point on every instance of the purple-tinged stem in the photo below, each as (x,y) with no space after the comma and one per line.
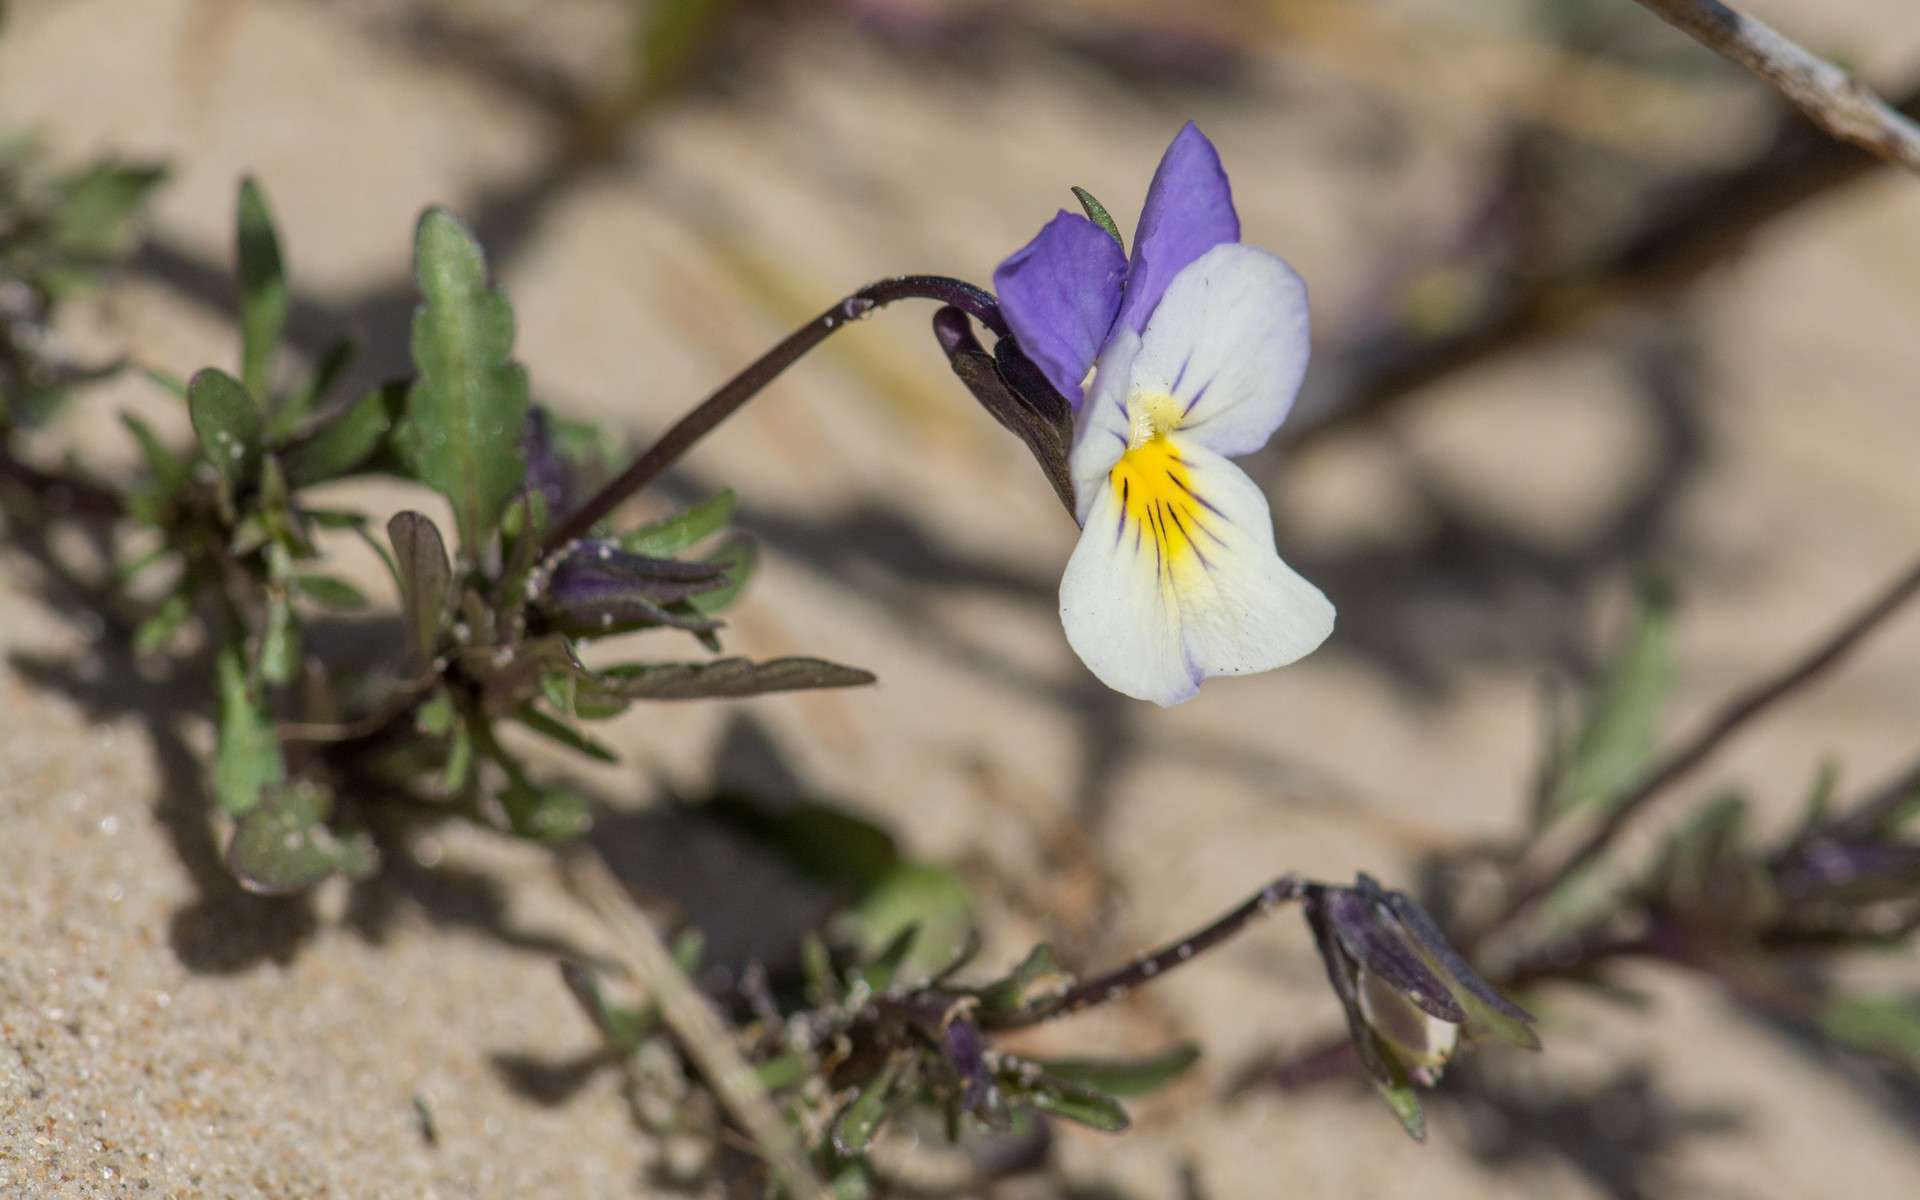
(1116,983)
(1738,710)
(709,413)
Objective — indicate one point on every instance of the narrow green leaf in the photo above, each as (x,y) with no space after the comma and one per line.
(283,845)
(783,1071)
(331,591)
(1037,977)
(156,631)
(932,899)
(1888,1026)
(545,812)
(468,403)
(170,473)
(279,641)
(856,1125)
(457,771)
(623,1026)
(247,759)
(297,404)
(1125,1076)
(1098,214)
(1622,722)
(94,209)
(741,557)
(349,439)
(1024,1081)
(816,970)
(166,380)
(227,422)
(263,290)
(728,677)
(425,576)
(563,733)
(1405,1105)
(879,974)
(668,537)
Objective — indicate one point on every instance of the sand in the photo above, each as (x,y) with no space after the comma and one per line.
(163,1034)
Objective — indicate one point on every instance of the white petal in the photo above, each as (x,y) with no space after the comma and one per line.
(1118,609)
(1102,426)
(1228,342)
(1176,578)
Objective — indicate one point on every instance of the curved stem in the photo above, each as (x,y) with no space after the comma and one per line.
(1118,982)
(709,413)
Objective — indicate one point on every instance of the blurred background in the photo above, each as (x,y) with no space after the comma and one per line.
(1587,300)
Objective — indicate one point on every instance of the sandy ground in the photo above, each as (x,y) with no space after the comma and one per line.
(161,1034)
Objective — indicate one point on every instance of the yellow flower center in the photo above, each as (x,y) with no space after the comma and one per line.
(1160,506)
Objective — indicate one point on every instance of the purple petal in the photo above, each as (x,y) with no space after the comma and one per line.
(1059,293)
(1189,211)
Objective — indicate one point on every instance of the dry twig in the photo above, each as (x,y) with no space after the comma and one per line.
(695,1026)
(1833,99)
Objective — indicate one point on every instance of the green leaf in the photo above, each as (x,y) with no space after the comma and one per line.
(1622,722)
(167,381)
(280,641)
(156,631)
(563,733)
(1125,1076)
(170,473)
(879,973)
(247,758)
(1037,977)
(298,403)
(856,1125)
(283,845)
(1098,214)
(623,1026)
(545,812)
(349,439)
(783,1071)
(263,290)
(227,422)
(1888,1026)
(668,537)
(1405,1104)
(425,576)
(741,558)
(926,897)
(1060,1098)
(468,403)
(728,677)
(94,209)
(457,770)
(816,970)
(331,591)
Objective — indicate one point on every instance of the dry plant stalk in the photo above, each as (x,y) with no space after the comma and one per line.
(1831,97)
(695,1025)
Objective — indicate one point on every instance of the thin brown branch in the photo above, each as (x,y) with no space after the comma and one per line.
(1830,97)
(1731,718)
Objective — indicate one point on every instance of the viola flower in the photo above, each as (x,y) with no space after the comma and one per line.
(1408,994)
(1176,362)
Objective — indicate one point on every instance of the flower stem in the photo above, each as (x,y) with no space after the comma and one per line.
(1148,967)
(1732,717)
(709,413)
